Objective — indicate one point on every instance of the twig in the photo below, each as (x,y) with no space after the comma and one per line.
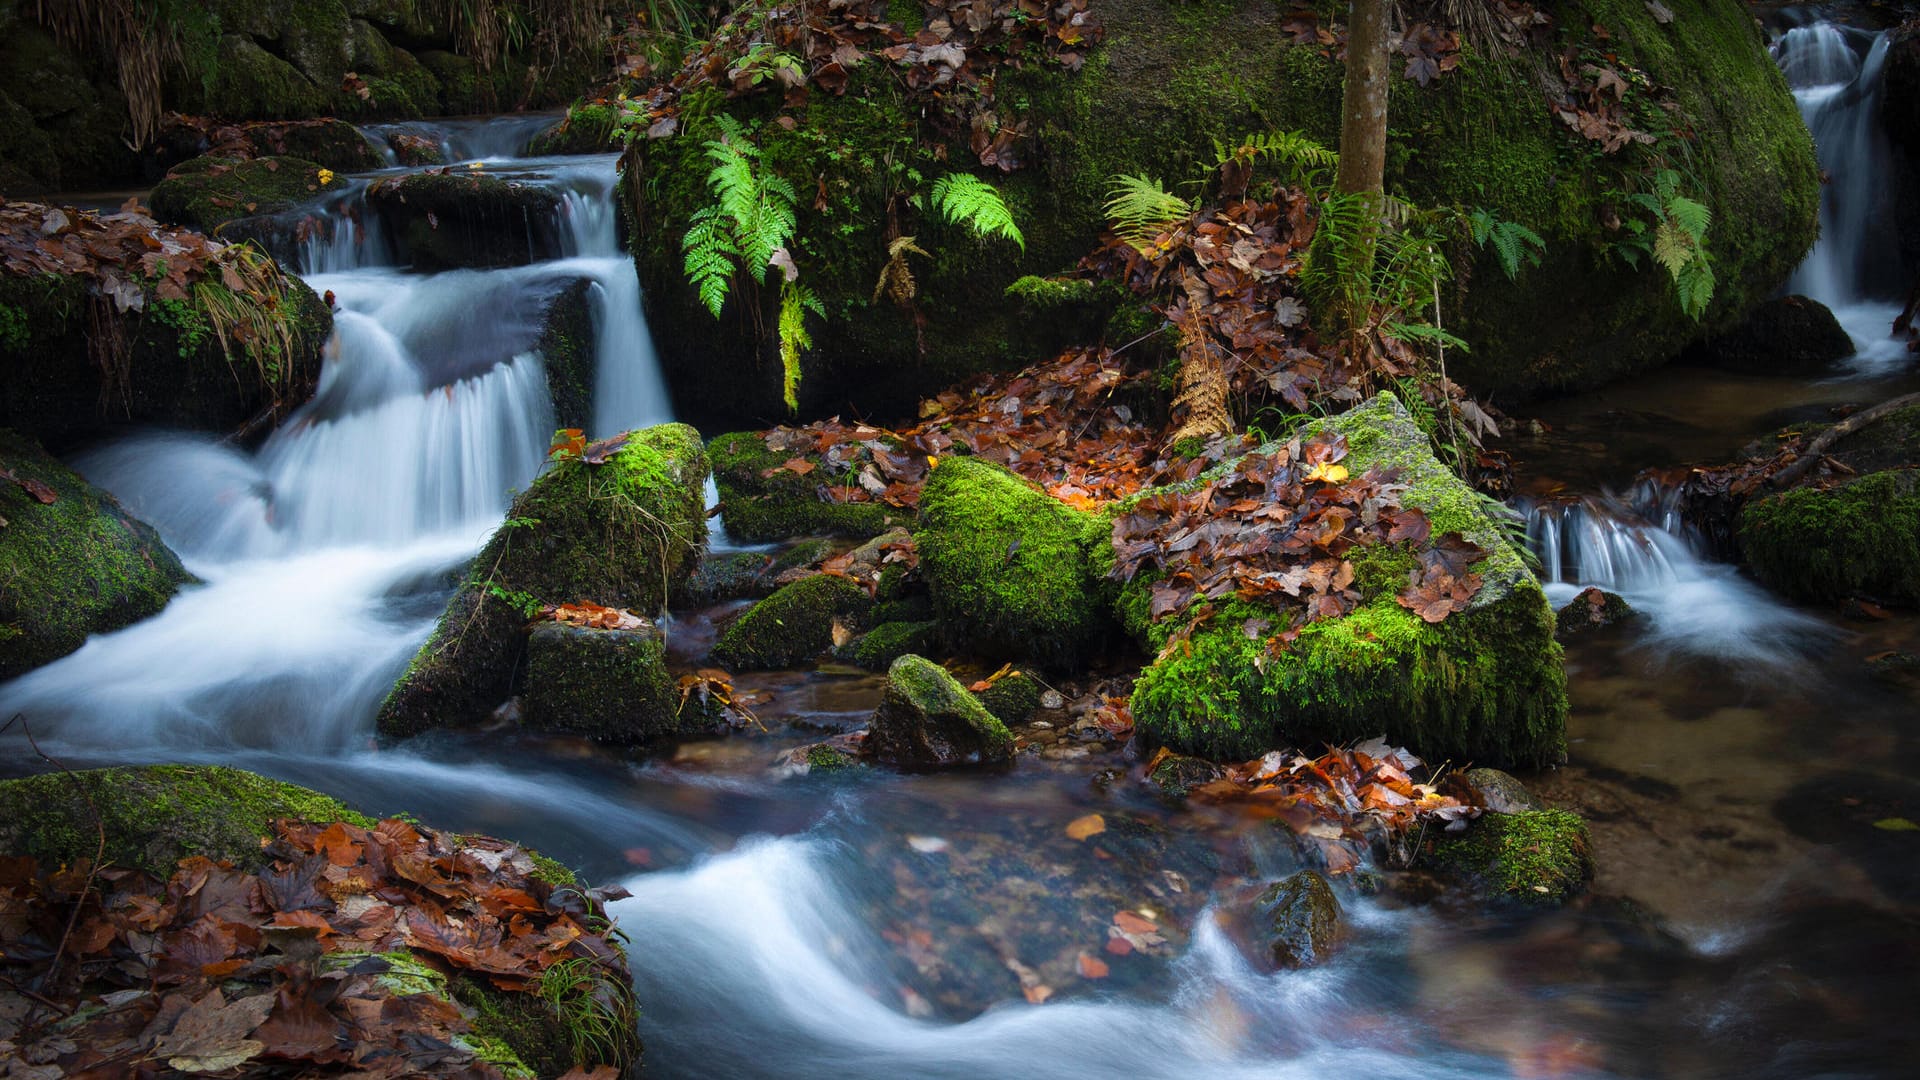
(99,851)
(1818,447)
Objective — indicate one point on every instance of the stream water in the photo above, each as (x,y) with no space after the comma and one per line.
(1731,753)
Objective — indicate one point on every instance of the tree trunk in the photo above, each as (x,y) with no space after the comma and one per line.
(1363,101)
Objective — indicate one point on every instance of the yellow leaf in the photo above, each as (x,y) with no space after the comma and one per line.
(1896,824)
(1081,828)
(932,462)
(1327,472)
(326,177)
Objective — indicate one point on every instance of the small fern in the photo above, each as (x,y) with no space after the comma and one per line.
(1677,240)
(965,199)
(795,301)
(896,277)
(1140,209)
(1514,245)
(751,218)
(1306,162)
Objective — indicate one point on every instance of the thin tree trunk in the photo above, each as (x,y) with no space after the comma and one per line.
(1363,101)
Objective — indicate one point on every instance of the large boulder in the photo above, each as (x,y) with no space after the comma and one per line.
(610,685)
(1825,544)
(62,118)
(208,192)
(927,720)
(1484,684)
(1788,335)
(623,533)
(76,563)
(1008,565)
(1169,82)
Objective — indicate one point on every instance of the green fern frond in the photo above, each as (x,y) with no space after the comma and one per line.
(795,301)
(1690,216)
(1420,333)
(1140,209)
(1672,248)
(1695,284)
(1304,160)
(710,254)
(965,199)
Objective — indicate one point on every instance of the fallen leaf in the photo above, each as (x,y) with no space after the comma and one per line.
(1083,827)
(1092,967)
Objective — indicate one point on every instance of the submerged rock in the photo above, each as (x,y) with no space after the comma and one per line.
(1484,684)
(611,686)
(467,219)
(1008,566)
(1822,545)
(624,533)
(75,562)
(1537,857)
(927,720)
(1788,335)
(795,624)
(1178,774)
(762,501)
(1303,920)
(1592,609)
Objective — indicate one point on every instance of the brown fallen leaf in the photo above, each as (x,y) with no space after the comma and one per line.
(1092,967)
(1083,827)
(211,1035)
(1134,923)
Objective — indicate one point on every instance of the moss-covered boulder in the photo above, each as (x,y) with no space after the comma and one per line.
(1169,82)
(586,129)
(761,500)
(1485,684)
(155,815)
(611,686)
(793,625)
(879,647)
(927,720)
(1535,858)
(1591,609)
(467,220)
(1860,538)
(1301,920)
(624,533)
(208,192)
(1787,335)
(329,142)
(76,565)
(1013,697)
(1008,565)
(62,118)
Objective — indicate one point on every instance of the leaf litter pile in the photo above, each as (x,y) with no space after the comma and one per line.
(298,970)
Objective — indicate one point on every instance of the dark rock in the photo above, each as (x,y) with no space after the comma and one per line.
(878,648)
(1177,774)
(1535,858)
(927,720)
(567,350)
(744,575)
(795,624)
(467,219)
(1013,697)
(759,501)
(1303,919)
(208,192)
(76,566)
(1823,545)
(1788,335)
(1500,792)
(1592,609)
(1900,88)
(611,686)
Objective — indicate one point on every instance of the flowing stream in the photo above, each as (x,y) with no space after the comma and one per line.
(795,927)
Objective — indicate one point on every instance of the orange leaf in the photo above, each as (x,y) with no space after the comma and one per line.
(1135,924)
(1081,828)
(1092,967)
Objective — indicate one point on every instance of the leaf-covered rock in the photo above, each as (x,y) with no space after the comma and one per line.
(1592,609)
(765,497)
(927,720)
(624,533)
(76,563)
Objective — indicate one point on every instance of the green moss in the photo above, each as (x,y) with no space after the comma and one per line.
(795,624)
(155,815)
(1044,293)
(1484,685)
(14,335)
(1012,698)
(79,565)
(824,758)
(1007,565)
(889,641)
(927,719)
(250,83)
(208,192)
(522,1022)
(1861,538)
(608,685)
(1538,857)
(760,502)
(587,129)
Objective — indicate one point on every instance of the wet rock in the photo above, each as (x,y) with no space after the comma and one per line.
(467,219)
(795,624)
(1788,335)
(743,575)
(74,566)
(207,193)
(328,142)
(567,351)
(1823,545)
(1592,609)
(1009,566)
(881,646)
(415,150)
(1484,684)
(1900,88)
(1500,792)
(838,754)
(1013,697)
(611,686)
(760,500)
(1302,920)
(927,720)
(1177,774)
(623,533)
(1535,858)
(1895,668)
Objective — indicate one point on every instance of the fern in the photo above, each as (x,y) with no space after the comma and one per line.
(795,301)
(965,199)
(1514,245)
(1420,333)
(710,255)
(751,218)
(1140,209)
(1306,162)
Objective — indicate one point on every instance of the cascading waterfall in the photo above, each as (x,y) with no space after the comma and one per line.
(327,553)
(1835,74)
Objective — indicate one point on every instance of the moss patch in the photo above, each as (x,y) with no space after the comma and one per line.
(208,192)
(889,641)
(761,502)
(1861,538)
(609,685)
(1537,858)
(1008,565)
(928,720)
(795,624)
(1012,698)
(79,565)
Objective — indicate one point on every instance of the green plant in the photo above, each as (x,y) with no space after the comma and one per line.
(1674,235)
(596,1010)
(1514,245)
(795,301)
(1140,209)
(965,199)
(763,63)
(1306,163)
(749,223)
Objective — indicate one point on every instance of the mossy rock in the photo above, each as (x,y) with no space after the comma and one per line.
(77,566)
(155,815)
(761,502)
(889,641)
(611,686)
(567,350)
(1008,566)
(793,625)
(175,373)
(1860,538)
(207,193)
(1500,792)
(587,129)
(1787,335)
(1172,79)
(468,220)
(1013,697)
(1537,858)
(927,720)
(333,143)
(246,82)
(62,118)
(1302,917)
(1178,774)
(1485,684)
(1592,609)
(625,533)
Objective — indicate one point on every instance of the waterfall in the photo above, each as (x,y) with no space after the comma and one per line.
(1835,74)
(327,553)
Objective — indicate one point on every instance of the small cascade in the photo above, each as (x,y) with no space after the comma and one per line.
(1835,74)
(466,139)
(1640,547)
